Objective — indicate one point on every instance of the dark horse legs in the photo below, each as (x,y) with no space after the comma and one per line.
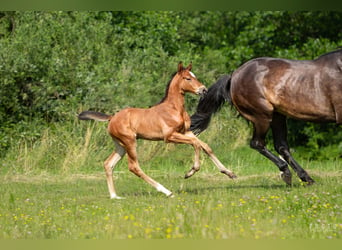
(258,143)
(279,131)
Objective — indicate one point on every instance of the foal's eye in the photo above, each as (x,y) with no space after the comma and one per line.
(187,78)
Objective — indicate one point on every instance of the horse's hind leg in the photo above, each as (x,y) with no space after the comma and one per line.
(279,130)
(109,165)
(258,143)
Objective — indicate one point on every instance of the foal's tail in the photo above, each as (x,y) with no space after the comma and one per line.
(217,95)
(91,115)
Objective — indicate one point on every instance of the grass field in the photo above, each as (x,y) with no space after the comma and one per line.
(209,205)
(56,189)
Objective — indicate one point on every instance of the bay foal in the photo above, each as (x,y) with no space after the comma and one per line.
(167,120)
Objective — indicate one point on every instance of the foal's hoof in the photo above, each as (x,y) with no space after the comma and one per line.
(231,175)
(187,175)
(117,197)
(190,173)
(171,196)
(287,177)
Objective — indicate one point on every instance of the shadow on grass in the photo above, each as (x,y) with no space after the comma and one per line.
(199,190)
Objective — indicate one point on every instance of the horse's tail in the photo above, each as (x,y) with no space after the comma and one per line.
(91,115)
(217,95)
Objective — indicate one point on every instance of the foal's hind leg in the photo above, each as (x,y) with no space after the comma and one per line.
(134,167)
(279,130)
(258,143)
(109,165)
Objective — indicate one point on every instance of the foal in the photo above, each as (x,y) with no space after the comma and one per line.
(166,121)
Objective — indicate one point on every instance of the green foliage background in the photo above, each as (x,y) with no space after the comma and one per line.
(54,64)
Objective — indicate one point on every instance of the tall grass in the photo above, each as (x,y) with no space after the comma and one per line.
(61,149)
(83,146)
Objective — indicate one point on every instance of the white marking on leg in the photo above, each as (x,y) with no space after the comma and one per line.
(161,188)
(281,157)
(116,197)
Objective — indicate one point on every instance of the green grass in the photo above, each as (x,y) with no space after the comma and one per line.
(56,189)
(206,206)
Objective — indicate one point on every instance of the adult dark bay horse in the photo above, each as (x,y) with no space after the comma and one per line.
(267,90)
(168,121)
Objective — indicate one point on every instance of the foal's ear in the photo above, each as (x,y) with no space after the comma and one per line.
(189,66)
(180,67)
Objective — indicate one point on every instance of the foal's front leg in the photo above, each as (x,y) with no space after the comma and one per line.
(184,139)
(196,166)
(190,138)
(215,160)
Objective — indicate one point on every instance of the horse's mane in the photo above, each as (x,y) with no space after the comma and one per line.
(167,90)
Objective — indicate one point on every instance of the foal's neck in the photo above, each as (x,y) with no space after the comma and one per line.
(175,96)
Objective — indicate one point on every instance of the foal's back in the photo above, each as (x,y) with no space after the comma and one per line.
(154,123)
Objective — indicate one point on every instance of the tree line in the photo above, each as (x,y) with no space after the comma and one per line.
(56,63)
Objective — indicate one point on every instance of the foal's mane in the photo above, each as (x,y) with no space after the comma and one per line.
(167,90)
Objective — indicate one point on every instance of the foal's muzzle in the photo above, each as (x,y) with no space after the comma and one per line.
(202,91)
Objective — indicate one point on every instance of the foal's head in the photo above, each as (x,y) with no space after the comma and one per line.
(188,81)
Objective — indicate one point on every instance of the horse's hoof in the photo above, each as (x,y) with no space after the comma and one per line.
(309,182)
(286,177)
